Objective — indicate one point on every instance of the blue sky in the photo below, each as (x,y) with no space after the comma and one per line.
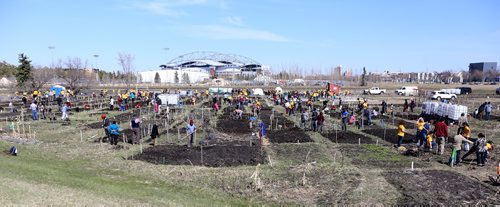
(395,35)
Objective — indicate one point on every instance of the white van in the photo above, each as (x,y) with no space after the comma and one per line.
(407,91)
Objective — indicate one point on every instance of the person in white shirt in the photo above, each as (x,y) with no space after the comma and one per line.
(34,110)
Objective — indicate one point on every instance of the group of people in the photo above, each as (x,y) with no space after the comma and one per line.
(433,136)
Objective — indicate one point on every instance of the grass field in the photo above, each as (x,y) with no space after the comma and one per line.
(67,166)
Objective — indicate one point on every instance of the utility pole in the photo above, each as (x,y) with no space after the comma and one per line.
(97,69)
(52,48)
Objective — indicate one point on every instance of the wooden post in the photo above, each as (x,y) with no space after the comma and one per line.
(81,136)
(178,134)
(29,131)
(201,147)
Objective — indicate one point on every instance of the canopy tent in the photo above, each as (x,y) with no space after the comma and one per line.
(57,89)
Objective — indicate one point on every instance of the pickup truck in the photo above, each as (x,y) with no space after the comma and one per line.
(374,90)
(443,95)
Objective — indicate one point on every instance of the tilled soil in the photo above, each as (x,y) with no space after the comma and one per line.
(438,187)
(347,138)
(239,126)
(213,156)
(390,136)
(290,135)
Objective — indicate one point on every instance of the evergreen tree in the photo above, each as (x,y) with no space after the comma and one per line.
(23,73)
(157,78)
(185,78)
(176,78)
(363,77)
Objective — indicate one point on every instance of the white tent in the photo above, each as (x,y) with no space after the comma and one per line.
(5,82)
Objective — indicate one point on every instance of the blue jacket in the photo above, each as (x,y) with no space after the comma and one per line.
(114,129)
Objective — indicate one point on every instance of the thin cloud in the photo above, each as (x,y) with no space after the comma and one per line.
(219,32)
(237,21)
(168,8)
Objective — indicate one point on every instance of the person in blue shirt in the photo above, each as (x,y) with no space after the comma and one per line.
(114,133)
(345,118)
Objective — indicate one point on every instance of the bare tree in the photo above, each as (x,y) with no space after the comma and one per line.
(41,76)
(125,61)
(75,75)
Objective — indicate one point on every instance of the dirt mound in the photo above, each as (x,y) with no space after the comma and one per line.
(213,156)
(239,126)
(436,187)
(291,135)
(390,136)
(348,138)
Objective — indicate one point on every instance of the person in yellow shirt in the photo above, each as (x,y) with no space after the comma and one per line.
(429,140)
(401,132)
(420,127)
(466,131)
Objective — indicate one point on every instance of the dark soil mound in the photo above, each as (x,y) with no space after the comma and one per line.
(213,156)
(436,187)
(348,138)
(291,135)
(239,126)
(390,136)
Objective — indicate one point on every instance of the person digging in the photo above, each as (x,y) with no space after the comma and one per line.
(263,134)
(105,125)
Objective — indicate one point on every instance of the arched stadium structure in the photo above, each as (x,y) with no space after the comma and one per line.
(202,65)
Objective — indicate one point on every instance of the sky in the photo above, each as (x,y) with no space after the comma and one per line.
(315,36)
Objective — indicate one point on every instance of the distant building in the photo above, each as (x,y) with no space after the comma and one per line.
(482,71)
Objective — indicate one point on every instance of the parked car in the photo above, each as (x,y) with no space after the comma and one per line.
(465,90)
(374,90)
(438,95)
(407,91)
(498,91)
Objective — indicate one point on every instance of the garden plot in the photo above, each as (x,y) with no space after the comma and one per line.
(227,155)
(391,135)
(348,138)
(290,135)
(438,187)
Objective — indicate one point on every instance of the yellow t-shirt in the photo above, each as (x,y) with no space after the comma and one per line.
(488,146)
(365,105)
(420,125)
(429,138)
(401,129)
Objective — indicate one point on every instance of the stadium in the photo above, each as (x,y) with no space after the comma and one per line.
(203,65)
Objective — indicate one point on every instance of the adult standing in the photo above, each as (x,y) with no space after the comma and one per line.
(111,103)
(190,130)
(320,121)
(487,110)
(64,111)
(345,119)
(304,117)
(457,145)
(135,125)
(441,134)
(481,150)
(114,133)
(384,107)
(412,105)
(314,119)
(154,134)
(105,124)
(405,106)
(34,110)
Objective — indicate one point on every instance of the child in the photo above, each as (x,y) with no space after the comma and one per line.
(401,133)
(430,141)
(489,148)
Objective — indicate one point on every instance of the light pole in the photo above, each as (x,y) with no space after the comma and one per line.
(51,48)
(96,69)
